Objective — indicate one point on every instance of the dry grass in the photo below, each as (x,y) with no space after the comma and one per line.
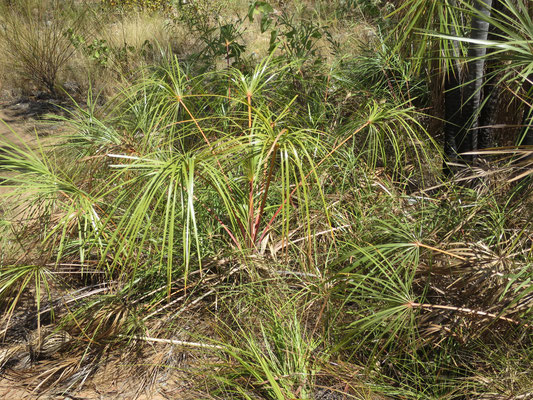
(134,40)
(137,28)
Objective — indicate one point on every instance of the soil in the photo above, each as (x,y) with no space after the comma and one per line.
(111,390)
(24,117)
(19,129)
(22,121)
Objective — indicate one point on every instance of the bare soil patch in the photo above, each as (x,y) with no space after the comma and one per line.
(16,126)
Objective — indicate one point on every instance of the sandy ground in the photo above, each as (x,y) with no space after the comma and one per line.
(110,382)
(10,113)
(111,391)
(18,130)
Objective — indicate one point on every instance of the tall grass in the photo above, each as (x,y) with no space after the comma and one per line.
(34,38)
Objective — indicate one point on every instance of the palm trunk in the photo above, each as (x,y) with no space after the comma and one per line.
(489,112)
(526,135)
(491,90)
(467,139)
(462,103)
(452,116)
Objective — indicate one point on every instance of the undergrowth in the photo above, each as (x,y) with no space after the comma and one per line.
(274,227)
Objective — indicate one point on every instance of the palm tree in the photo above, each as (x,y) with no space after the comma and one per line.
(510,67)
(472,63)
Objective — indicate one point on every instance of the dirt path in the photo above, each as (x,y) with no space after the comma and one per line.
(22,127)
(22,119)
(110,391)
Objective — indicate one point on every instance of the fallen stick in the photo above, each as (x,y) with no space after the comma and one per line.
(173,342)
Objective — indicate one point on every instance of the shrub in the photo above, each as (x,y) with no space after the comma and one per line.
(34,37)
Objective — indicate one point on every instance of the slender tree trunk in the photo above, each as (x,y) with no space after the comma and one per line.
(526,134)
(491,90)
(467,139)
(453,101)
(489,110)
(463,102)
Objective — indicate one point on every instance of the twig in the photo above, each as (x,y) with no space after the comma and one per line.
(173,342)
(465,310)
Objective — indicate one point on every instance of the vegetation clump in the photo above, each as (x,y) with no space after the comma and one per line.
(270,206)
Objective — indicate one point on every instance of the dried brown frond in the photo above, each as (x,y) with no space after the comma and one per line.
(343,380)
(37,345)
(521,165)
(473,287)
(101,322)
